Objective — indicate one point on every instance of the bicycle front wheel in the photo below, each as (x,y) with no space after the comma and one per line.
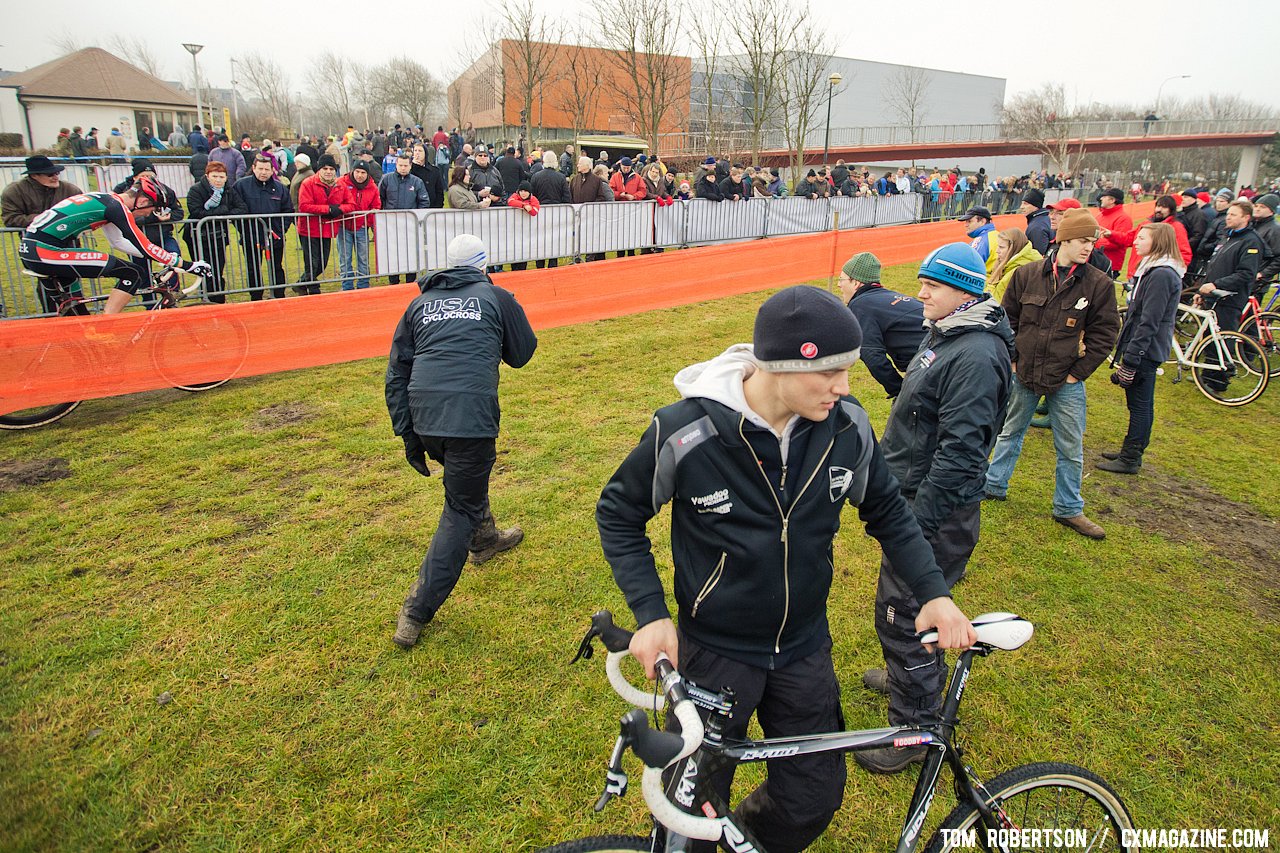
(602,844)
(1265,329)
(37,417)
(1241,380)
(1067,804)
(218,345)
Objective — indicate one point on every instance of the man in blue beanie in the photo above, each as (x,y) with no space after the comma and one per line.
(758,460)
(940,430)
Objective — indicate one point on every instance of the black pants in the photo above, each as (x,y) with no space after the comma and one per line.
(549,262)
(917,677)
(1140,397)
(253,251)
(211,246)
(315,257)
(467,463)
(797,801)
(1228,312)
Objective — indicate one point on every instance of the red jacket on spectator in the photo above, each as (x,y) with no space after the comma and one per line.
(632,184)
(532,201)
(440,138)
(1126,240)
(1117,220)
(363,199)
(315,197)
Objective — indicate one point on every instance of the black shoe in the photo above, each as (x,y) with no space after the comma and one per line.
(1120,465)
(992,496)
(876,680)
(489,541)
(889,760)
(1111,454)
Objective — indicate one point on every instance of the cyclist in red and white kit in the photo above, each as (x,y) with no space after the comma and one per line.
(49,247)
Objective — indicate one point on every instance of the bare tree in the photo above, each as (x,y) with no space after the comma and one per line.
(65,42)
(580,94)
(706,34)
(651,77)
(267,81)
(906,97)
(1041,118)
(330,84)
(137,52)
(530,44)
(803,84)
(760,64)
(407,87)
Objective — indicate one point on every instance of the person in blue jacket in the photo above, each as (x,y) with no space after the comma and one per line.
(892,323)
(442,394)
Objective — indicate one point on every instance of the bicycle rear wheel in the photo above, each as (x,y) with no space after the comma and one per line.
(1265,329)
(602,844)
(39,416)
(1060,800)
(1242,380)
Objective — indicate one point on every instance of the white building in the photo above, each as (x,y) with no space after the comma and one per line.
(90,88)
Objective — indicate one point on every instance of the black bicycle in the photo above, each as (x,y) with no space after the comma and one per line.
(169,345)
(1033,807)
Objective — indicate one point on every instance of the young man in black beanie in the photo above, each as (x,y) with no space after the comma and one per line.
(758,460)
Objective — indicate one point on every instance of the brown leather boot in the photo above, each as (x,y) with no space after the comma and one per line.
(488,541)
(1082,525)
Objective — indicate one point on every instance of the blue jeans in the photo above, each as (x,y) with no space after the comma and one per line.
(1066,415)
(359,241)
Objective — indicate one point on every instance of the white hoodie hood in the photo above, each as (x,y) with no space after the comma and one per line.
(721,378)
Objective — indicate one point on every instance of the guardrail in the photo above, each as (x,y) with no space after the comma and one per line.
(259,256)
(683,144)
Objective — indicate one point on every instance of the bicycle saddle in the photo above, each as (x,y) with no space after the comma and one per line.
(1004,631)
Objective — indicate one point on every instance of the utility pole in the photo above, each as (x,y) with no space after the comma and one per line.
(193,49)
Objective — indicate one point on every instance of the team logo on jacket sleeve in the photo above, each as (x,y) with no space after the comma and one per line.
(840,481)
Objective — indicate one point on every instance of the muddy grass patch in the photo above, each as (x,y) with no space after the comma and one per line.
(281,414)
(19,473)
(1186,511)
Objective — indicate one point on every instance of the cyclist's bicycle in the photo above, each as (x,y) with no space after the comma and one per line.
(1051,797)
(1263,327)
(221,336)
(1229,368)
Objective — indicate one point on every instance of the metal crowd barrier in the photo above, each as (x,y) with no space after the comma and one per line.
(176,175)
(74,173)
(263,257)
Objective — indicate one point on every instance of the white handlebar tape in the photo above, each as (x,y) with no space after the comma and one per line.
(666,812)
(648,700)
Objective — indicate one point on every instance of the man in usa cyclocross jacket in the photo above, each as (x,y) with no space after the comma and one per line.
(758,460)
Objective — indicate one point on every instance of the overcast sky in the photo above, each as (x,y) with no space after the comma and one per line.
(1103,50)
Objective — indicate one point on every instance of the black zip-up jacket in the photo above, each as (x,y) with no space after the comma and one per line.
(751,538)
(1212,235)
(432,177)
(1039,232)
(707,188)
(442,377)
(1193,220)
(263,198)
(1147,333)
(550,187)
(945,421)
(1235,263)
(230,205)
(892,329)
(1269,233)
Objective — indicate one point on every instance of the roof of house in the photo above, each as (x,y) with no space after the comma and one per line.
(93,74)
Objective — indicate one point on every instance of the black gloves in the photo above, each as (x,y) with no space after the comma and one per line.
(335,210)
(415,453)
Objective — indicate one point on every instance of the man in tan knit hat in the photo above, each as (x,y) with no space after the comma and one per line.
(1065,322)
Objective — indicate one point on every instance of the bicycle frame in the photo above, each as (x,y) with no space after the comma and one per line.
(694,786)
(1209,326)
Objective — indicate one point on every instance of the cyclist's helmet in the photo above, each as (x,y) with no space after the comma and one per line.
(149,188)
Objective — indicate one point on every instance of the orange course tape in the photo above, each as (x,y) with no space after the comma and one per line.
(46,361)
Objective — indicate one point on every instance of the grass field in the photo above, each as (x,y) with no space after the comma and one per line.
(196,609)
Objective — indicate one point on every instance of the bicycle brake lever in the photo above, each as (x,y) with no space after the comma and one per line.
(615,782)
(585,649)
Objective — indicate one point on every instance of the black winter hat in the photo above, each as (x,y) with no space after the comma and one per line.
(1034,197)
(1117,194)
(326,160)
(804,329)
(142,164)
(526,186)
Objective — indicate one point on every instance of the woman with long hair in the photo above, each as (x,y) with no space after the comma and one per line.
(1146,338)
(461,196)
(1012,251)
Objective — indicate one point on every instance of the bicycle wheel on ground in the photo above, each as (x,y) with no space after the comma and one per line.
(216,346)
(602,844)
(39,416)
(1244,377)
(1055,798)
(1265,329)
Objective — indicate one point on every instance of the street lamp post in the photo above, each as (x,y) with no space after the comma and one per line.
(235,96)
(832,82)
(1161,89)
(193,49)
